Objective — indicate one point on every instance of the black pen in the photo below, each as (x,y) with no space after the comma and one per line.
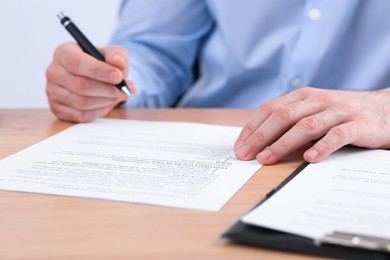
(88,47)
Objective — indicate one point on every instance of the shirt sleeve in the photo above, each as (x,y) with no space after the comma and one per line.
(163,38)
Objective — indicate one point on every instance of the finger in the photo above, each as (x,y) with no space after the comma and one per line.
(132,86)
(336,138)
(57,75)
(261,114)
(280,121)
(264,111)
(118,57)
(66,113)
(74,60)
(306,130)
(65,97)
(82,85)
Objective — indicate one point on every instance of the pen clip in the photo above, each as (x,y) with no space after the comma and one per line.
(356,241)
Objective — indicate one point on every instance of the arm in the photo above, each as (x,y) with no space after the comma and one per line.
(163,38)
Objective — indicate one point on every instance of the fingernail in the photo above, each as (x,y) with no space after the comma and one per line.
(242,152)
(238,144)
(133,87)
(311,154)
(266,154)
(119,58)
(115,77)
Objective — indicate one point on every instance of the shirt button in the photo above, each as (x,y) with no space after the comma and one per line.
(297,82)
(314,14)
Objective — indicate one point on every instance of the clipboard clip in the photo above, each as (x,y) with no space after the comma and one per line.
(356,241)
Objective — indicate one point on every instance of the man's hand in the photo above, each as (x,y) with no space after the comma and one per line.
(331,118)
(81,88)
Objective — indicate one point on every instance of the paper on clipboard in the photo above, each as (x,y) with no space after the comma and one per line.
(347,192)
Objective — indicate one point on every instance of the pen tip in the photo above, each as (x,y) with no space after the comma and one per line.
(127,91)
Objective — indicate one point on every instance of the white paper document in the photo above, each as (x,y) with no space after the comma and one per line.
(347,192)
(185,165)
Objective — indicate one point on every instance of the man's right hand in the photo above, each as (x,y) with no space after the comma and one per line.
(81,88)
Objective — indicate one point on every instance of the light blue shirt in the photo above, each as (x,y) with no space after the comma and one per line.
(250,51)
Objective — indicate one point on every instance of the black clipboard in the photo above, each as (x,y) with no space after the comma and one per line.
(341,247)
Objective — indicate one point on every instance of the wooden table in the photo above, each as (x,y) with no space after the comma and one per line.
(34,226)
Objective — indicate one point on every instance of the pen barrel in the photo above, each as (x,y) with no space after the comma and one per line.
(84,43)
(88,47)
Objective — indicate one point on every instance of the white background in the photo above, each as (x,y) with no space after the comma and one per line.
(30,31)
